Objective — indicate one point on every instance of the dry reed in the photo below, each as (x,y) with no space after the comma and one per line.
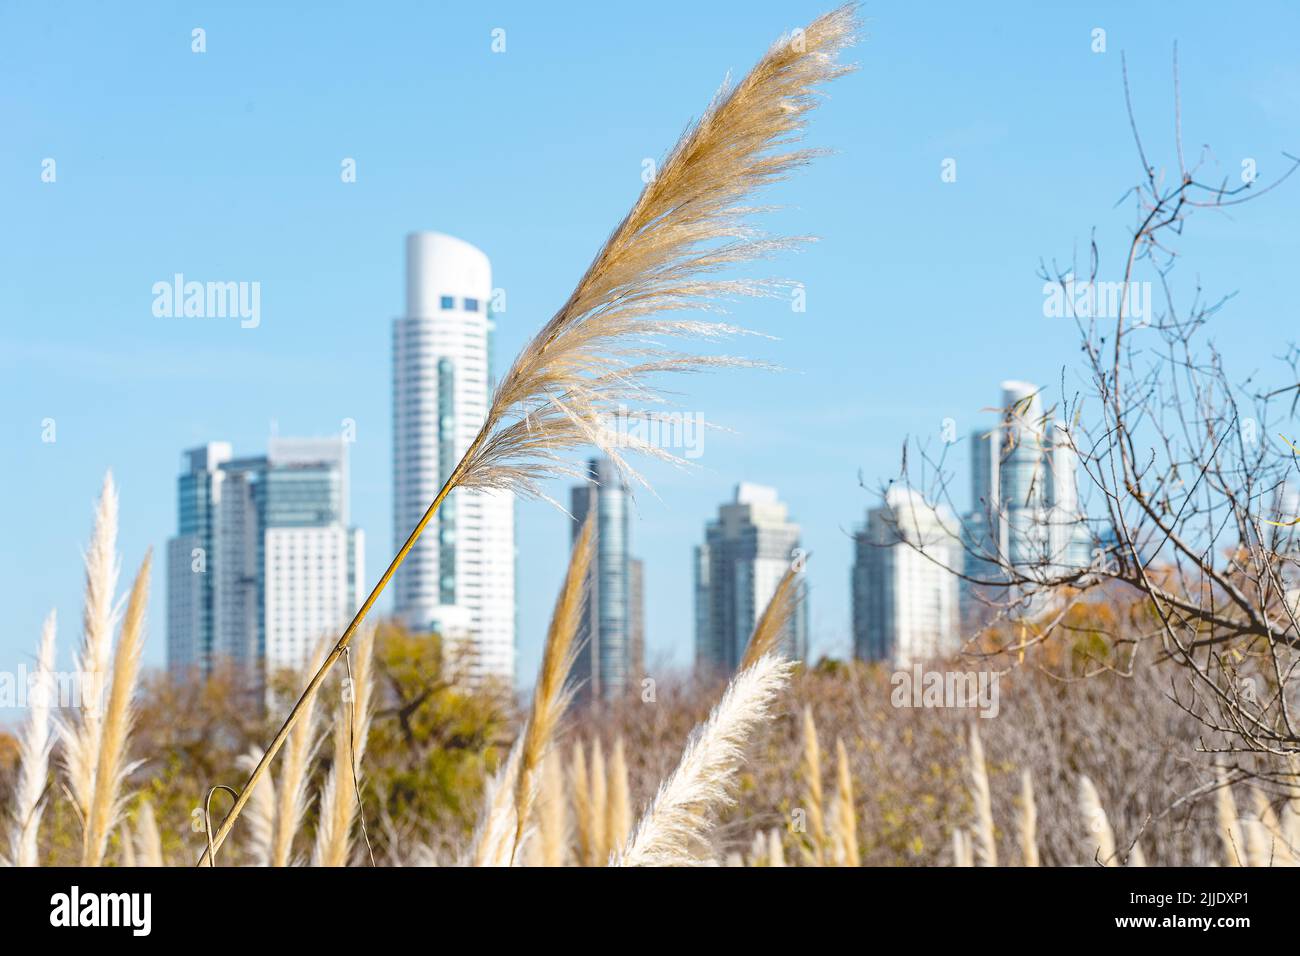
(599,790)
(552,822)
(986,847)
(618,810)
(113,766)
(1101,838)
(582,814)
(1028,819)
(551,694)
(775,851)
(962,854)
(80,734)
(845,818)
(1229,824)
(771,627)
(1280,851)
(513,790)
(338,799)
(292,790)
(669,832)
(260,833)
(810,771)
(34,746)
(148,841)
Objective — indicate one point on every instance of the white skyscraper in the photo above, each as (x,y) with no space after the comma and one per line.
(264,564)
(460,577)
(905,602)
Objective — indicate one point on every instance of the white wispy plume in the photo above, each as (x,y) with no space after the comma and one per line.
(338,798)
(80,734)
(260,833)
(148,841)
(1229,824)
(986,847)
(292,792)
(34,745)
(114,765)
(669,832)
(1101,839)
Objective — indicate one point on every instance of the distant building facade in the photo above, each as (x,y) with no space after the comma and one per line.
(1025,500)
(264,563)
(611,634)
(459,579)
(905,593)
(745,553)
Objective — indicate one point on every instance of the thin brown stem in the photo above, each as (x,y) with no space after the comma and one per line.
(283,733)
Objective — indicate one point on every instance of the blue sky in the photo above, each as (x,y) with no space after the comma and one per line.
(921,294)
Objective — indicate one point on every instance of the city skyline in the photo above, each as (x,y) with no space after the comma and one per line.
(905,603)
(126,389)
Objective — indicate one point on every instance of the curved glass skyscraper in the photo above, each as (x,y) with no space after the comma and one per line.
(459,579)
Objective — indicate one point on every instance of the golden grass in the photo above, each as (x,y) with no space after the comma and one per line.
(962,854)
(985,842)
(552,814)
(292,790)
(513,791)
(112,766)
(618,808)
(582,812)
(845,817)
(772,626)
(1028,819)
(599,790)
(810,772)
(96,734)
(338,800)
(551,694)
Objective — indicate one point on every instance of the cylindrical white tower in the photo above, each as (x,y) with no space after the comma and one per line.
(465,559)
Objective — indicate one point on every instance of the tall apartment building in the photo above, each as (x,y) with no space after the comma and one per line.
(264,563)
(745,553)
(459,579)
(1024,493)
(610,636)
(905,594)
(636,612)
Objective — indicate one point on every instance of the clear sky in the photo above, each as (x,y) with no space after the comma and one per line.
(921,294)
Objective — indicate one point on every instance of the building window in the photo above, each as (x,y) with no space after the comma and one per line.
(471,305)
(447,302)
